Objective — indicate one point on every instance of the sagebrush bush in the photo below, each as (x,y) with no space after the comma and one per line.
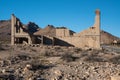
(68,57)
(1,48)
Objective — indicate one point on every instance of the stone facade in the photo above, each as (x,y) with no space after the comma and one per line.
(18,32)
(89,38)
(64,32)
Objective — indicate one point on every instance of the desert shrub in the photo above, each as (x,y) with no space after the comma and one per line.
(77,50)
(95,59)
(115,60)
(33,50)
(18,58)
(38,64)
(1,48)
(58,49)
(46,53)
(68,57)
(7,77)
(23,57)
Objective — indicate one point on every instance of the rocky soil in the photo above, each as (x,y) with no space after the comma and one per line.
(59,63)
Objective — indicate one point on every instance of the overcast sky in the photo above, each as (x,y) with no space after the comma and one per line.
(76,15)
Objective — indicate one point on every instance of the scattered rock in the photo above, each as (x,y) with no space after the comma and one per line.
(69,64)
(115,77)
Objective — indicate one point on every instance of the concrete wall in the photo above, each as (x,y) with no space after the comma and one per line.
(88,38)
(63,32)
(82,41)
(17,32)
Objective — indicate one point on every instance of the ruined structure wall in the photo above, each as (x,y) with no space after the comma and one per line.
(87,38)
(62,32)
(17,31)
(94,30)
(82,42)
(87,32)
(13,20)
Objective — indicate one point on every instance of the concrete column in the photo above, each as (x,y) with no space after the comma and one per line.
(21,31)
(97,28)
(42,38)
(97,22)
(29,40)
(18,28)
(12,29)
(15,21)
(53,40)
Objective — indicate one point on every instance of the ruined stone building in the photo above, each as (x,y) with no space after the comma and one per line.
(59,36)
(18,32)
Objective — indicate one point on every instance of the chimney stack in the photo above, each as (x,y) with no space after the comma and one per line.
(97,21)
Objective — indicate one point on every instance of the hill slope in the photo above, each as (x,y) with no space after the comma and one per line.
(5,31)
(107,38)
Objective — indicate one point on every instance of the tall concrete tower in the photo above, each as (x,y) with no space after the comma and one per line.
(97,21)
(97,28)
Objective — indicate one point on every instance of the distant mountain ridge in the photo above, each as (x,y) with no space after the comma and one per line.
(107,38)
(5,32)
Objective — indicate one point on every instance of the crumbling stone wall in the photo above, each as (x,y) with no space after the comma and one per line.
(88,38)
(82,42)
(63,32)
(18,33)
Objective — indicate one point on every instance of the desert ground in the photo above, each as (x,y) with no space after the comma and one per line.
(59,63)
